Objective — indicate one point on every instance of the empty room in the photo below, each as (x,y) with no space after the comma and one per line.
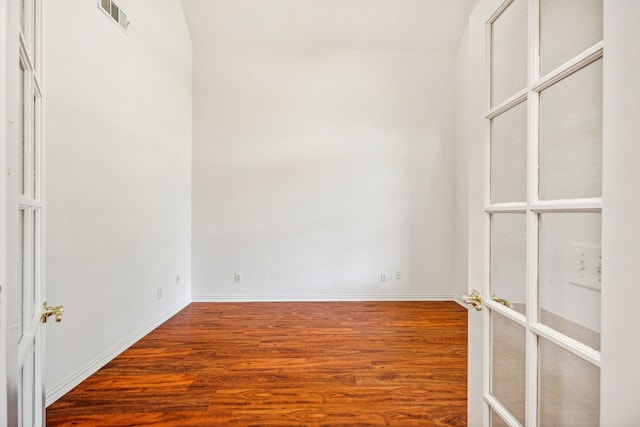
(319,213)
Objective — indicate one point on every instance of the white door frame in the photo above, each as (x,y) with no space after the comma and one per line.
(4,120)
(477,93)
(620,371)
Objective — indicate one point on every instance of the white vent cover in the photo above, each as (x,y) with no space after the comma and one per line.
(113,11)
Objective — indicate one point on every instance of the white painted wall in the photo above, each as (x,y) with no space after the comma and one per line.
(118,178)
(460,273)
(315,170)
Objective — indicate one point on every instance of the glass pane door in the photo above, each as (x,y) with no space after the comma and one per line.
(25,394)
(543,180)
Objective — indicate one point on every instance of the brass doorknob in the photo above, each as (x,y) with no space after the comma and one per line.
(475,299)
(51,311)
(502,301)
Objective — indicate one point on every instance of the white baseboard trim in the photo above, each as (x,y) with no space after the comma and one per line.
(321,298)
(56,392)
(458,299)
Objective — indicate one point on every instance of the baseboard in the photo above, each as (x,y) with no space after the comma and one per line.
(321,298)
(459,300)
(56,392)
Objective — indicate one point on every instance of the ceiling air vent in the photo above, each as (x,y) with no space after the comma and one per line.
(113,11)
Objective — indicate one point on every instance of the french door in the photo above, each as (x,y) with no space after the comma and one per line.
(25,214)
(535,238)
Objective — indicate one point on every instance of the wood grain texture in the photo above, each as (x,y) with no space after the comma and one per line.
(285,364)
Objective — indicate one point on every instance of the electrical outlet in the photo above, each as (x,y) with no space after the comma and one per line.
(237,277)
(177,279)
(398,275)
(159,293)
(383,277)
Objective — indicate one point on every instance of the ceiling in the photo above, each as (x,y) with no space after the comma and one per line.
(388,25)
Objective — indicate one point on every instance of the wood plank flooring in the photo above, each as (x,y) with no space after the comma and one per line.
(285,364)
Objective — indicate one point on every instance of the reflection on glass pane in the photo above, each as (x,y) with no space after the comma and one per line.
(35,273)
(34,36)
(508,259)
(21,132)
(567,28)
(509,52)
(569,388)
(571,136)
(35,152)
(22,15)
(21,402)
(569,275)
(496,421)
(28,389)
(509,156)
(508,364)
(32,384)
(22,238)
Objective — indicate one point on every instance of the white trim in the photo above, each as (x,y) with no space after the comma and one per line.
(587,57)
(533,184)
(499,11)
(501,410)
(458,299)
(514,100)
(517,208)
(620,375)
(571,205)
(576,205)
(509,313)
(323,298)
(571,345)
(57,391)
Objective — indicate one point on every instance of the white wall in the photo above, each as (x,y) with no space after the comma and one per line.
(118,177)
(460,273)
(315,170)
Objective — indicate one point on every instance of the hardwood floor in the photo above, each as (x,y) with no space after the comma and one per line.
(285,364)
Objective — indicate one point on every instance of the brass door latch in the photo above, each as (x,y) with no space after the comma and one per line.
(51,311)
(474,299)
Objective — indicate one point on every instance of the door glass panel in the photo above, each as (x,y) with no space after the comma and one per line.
(509,155)
(35,265)
(567,28)
(34,35)
(569,274)
(33,380)
(21,132)
(22,15)
(21,402)
(22,239)
(508,259)
(508,364)
(27,390)
(569,388)
(571,136)
(35,150)
(495,419)
(509,52)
